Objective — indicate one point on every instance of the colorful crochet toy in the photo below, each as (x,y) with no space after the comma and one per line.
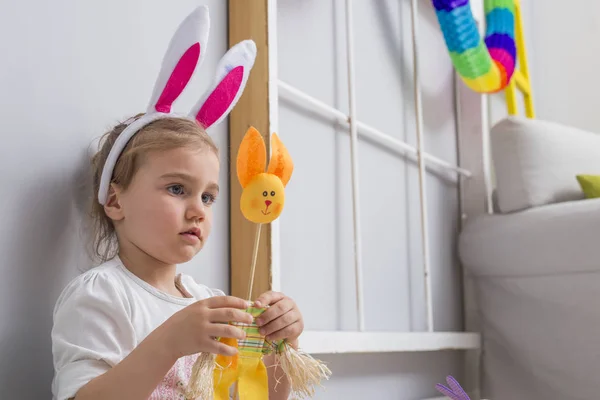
(486,66)
(262,201)
(263,193)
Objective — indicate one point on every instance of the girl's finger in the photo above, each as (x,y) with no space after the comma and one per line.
(287,332)
(225,302)
(221,348)
(279,323)
(280,308)
(226,331)
(268,298)
(227,315)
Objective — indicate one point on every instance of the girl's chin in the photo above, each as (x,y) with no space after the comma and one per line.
(180,256)
(186,254)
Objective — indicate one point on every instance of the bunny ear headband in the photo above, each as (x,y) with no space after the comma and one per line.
(186,51)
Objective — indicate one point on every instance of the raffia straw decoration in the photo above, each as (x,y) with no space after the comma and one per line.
(301,369)
(201,381)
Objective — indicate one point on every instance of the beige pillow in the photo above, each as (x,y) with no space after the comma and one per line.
(535,162)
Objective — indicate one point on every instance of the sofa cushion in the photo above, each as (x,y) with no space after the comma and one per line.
(536,162)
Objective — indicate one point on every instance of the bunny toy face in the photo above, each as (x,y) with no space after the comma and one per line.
(263,195)
(262,200)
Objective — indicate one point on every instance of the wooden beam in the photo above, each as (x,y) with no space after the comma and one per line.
(248,20)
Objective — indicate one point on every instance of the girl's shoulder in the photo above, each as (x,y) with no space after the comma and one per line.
(103,283)
(197,290)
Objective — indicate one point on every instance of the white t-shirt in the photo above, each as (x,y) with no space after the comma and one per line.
(102,315)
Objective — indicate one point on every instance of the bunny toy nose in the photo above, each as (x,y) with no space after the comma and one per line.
(268,202)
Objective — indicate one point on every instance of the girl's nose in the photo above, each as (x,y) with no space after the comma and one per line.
(268,202)
(196,210)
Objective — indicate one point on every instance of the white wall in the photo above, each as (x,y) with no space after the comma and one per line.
(316,228)
(567,62)
(70,69)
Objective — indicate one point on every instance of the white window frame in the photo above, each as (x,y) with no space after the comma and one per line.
(468,124)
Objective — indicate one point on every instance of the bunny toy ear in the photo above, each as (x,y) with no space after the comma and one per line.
(185,52)
(252,157)
(230,80)
(281,163)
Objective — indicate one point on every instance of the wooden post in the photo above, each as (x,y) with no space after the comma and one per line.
(248,20)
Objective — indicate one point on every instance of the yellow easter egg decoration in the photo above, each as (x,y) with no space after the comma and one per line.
(263,198)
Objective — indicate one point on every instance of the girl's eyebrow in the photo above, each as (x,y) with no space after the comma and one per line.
(180,175)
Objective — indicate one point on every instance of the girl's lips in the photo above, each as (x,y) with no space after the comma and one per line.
(190,237)
(194,231)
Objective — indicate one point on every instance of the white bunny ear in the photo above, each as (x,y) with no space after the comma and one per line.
(185,52)
(231,77)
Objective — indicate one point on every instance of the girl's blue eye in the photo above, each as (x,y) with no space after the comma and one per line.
(177,190)
(208,198)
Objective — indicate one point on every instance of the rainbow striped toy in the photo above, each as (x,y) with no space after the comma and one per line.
(486,66)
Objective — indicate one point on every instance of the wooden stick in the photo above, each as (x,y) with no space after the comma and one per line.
(251,284)
(254,257)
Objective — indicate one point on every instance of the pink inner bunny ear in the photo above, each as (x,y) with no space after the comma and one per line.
(230,80)
(181,75)
(221,98)
(184,54)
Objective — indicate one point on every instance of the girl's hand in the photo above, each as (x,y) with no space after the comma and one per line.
(282,320)
(194,329)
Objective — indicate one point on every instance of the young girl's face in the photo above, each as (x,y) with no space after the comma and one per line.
(167,209)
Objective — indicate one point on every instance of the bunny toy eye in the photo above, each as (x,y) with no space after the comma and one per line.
(265,193)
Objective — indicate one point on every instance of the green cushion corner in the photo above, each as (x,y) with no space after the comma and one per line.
(590,184)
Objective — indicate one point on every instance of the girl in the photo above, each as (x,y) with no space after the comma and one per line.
(132,327)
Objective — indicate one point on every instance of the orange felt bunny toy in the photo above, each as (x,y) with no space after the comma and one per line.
(262,201)
(263,194)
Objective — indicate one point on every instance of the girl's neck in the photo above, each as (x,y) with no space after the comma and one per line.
(149,269)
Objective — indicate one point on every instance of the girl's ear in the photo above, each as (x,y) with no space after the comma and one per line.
(112,207)
(281,163)
(252,156)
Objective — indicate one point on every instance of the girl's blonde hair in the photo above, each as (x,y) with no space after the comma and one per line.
(162,135)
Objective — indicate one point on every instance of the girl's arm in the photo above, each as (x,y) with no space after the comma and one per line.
(91,332)
(188,331)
